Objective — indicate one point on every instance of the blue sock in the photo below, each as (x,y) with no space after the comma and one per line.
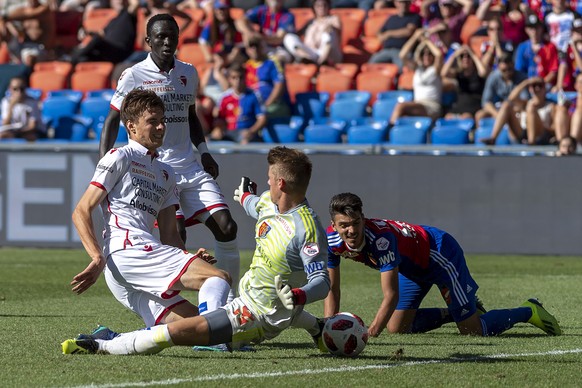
(430,319)
(495,322)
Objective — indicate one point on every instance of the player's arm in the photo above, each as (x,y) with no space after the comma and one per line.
(332,301)
(197,137)
(389,282)
(109,132)
(83,221)
(169,234)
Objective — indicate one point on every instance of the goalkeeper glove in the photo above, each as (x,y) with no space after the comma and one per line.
(246,187)
(290,297)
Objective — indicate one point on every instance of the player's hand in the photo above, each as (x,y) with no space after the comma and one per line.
(204,255)
(88,277)
(246,187)
(284,293)
(209,164)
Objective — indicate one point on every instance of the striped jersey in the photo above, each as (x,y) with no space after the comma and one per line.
(290,244)
(138,187)
(178,90)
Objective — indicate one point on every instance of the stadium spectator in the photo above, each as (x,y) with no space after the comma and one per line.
(266,77)
(117,40)
(82,5)
(397,29)
(533,124)
(537,57)
(498,86)
(30,32)
(411,259)
(571,64)
(512,16)
(567,146)
(321,41)
(452,12)
(288,271)
(496,46)
(273,22)
(467,73)
(362,4)
(239,115)
(201,200)
(143,272)
(20,114)
(426,83)
(569,116)
(559,23)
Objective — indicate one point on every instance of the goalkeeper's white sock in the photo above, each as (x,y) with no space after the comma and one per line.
(305,320)
(212,294)
(228,258)
(146,341)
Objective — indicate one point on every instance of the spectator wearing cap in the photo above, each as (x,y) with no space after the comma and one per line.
(496,46)
(273,21)
(537,57)
(452,12)
(397,29)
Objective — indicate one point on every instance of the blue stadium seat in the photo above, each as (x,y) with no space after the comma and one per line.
(553,97)
(407,135)
(55,107)
(95,107)
(339,124)
(484,132)
(366,134)
(347,110)
(400,95)
(121,134)
(448,99)
(284,132)
(322,134)
(418,121)
(107,94)
(311,104)
(449,135)
(486,122)
(467,124)
(73,128)
(74,95)
(354,95)
(382,109)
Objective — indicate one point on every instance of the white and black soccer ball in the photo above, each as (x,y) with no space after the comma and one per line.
(345,335)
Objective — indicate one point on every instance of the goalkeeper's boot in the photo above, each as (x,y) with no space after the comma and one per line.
(101,332)
(541,318)
(318,339)
(80,346)
(479,304)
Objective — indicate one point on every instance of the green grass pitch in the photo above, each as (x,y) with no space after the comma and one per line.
(38,311)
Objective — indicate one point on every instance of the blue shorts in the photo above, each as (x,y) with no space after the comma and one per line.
(448,271)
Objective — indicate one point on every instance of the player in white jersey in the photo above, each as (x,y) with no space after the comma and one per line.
(134,189)
(291,250)
(176,82)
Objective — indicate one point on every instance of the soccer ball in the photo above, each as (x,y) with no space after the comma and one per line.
(345,335)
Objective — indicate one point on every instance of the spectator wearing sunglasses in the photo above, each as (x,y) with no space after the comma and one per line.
(21,116)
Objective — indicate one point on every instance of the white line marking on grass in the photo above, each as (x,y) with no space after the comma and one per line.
(343,368)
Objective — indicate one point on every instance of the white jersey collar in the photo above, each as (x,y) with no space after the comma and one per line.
(152,64)
(140,148)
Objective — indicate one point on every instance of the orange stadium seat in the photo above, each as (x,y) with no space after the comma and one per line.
(475,42)
(405,80)
(191,53)
(352,22)
(332,82)
(97,18)
(374,81)
(298,78)
(302,16)
(60,67)
(373,25)
(4,54)
(192,32)
(91,76)
(389,69)
(348,69)
(52,75)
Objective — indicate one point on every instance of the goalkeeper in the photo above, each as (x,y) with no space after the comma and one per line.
(291,249)
(411,259)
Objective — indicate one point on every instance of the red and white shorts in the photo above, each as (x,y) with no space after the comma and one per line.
(141,278)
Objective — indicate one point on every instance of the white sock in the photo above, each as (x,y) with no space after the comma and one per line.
(305,320)
(146,341)
(212,294)
(228,258)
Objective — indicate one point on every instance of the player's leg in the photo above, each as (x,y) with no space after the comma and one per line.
(313,325)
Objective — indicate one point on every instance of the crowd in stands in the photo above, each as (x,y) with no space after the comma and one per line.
(505,71)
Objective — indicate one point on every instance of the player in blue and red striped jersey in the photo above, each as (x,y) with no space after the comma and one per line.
(239,115)
(411,259)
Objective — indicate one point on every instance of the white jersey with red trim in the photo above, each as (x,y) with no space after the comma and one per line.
(138,186)
(178,90)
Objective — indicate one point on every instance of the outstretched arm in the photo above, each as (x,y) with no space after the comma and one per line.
(389,281)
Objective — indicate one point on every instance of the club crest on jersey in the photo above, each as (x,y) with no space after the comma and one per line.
(380,223)
(264,229)
(311,249)
(382,244)
(183,80)
(166,175)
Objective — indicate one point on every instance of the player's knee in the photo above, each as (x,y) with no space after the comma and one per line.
(225,276)
(226,228)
